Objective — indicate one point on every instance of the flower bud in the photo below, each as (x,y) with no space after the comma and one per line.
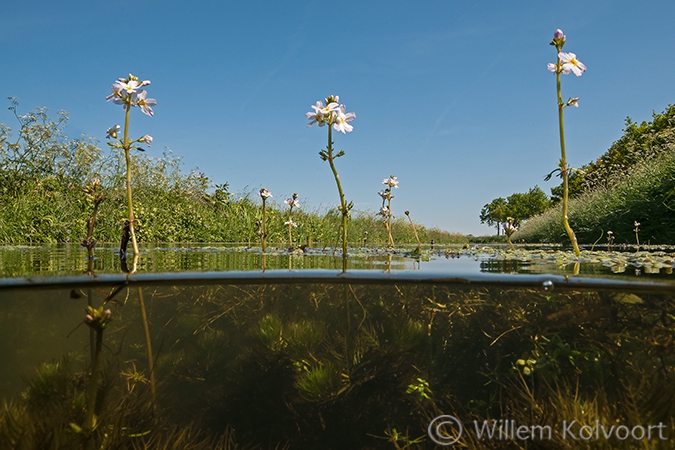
(558,39)
(574,101)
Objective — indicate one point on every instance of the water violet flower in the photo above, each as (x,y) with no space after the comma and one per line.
(566,63)
(127,92)
(341,120)
(145,103)
(392,182)
(333,114)
(264,194)
(570,63)
(113,132)
(385,211)
(147,139)
(292,202)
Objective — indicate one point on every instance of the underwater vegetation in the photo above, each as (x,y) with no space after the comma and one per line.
(301,365)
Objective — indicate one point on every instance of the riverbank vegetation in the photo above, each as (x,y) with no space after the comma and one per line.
(632,182)
(44,175)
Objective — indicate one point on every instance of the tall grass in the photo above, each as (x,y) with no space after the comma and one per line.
(43,174)
(646,194)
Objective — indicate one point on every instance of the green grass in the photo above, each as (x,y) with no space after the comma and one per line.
(43,175)
(646,195)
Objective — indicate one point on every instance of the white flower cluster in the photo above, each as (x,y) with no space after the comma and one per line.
(331,113)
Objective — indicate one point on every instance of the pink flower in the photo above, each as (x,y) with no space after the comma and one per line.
(570,63)
(342,119)
(145,104)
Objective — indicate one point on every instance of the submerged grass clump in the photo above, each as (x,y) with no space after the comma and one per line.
(358,366)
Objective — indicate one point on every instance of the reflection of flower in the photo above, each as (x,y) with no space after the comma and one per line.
(570,63)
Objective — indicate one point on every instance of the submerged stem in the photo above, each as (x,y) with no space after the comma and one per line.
(92,389)
(148,348)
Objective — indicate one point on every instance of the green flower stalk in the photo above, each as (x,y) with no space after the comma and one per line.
(385,211)
(333,114)
(95,197)
(509,229)
(292,202)
(262,231)
(637,234)
(610,240)
(127,92)
(419,243)
(566,63)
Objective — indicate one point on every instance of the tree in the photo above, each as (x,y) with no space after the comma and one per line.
(495,213)
(522,206)
(518,206)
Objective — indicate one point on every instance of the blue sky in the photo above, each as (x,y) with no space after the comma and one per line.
(453,97)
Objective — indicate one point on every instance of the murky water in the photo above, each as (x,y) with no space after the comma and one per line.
(221,347)
(309,359)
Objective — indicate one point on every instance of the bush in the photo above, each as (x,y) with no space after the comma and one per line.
(43,175)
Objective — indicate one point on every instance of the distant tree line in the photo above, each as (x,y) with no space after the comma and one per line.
(519,207)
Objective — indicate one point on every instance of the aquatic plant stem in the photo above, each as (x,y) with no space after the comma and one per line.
(419,243)
(391,238)
(148,349)
(343,204)
(564,170)
(290,236)
(263,230)
(92,389)
(127,156)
